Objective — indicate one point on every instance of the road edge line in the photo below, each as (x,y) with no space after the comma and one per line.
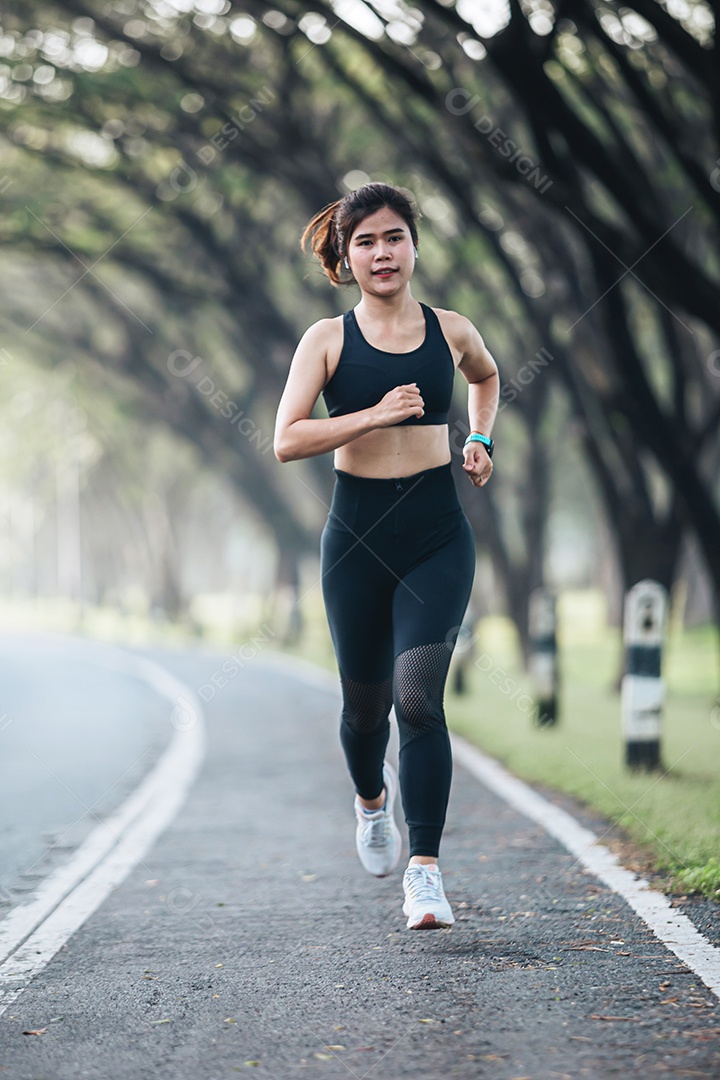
(34,932)
(675,930)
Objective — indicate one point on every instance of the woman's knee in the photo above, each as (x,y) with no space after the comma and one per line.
(418,688)
(366,705)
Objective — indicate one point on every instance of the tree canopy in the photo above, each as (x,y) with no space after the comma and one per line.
(162,158)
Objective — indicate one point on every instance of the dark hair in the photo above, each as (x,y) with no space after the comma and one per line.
(332,227)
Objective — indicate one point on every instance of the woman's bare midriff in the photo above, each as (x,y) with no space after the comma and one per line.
(395,451)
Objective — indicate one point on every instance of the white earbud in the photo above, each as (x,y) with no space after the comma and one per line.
(347,264)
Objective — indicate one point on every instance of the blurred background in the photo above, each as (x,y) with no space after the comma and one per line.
(159,161)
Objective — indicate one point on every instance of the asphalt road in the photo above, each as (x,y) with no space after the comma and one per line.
(250,940)
(75,735)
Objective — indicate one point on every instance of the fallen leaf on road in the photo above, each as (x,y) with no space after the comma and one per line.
(334,1047)
(323,1057)
(595,1016)
(37,1031)
(167,1020)
(431,1021)
(636,955)
(251,1063)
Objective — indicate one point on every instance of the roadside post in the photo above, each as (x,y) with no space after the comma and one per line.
(642,689)
(542,622)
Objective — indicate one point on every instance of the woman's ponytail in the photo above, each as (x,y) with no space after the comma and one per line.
(326,241)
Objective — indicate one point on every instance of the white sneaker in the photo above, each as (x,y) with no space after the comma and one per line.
(377,837)
(426,905)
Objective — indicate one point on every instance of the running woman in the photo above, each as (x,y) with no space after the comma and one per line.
(397,551)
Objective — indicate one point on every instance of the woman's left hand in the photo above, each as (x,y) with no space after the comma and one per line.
(477,463)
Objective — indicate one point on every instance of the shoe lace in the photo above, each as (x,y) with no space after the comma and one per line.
(376,831)
(423,884)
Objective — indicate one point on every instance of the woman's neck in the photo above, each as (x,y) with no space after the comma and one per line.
(389,308)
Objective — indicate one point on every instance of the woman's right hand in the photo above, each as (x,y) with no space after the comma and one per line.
(398,404)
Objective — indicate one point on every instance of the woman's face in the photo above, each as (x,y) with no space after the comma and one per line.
(381,253)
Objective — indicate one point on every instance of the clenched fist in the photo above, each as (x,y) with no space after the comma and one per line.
(398,404)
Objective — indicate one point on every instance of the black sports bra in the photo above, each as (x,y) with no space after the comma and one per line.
(365,374)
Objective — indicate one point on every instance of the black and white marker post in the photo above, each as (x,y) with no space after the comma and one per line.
(543,655)
(642,688)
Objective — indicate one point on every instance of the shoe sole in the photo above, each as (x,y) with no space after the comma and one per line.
(429,922)
(395,831)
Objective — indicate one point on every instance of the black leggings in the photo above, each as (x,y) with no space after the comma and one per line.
(397,562)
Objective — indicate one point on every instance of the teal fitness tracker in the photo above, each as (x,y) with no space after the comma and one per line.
(487,442)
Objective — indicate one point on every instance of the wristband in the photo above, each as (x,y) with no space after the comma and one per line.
(477,436)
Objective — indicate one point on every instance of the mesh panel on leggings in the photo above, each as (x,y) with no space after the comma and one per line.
(365,705)
(420,675)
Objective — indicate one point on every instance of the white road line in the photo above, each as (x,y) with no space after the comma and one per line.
(670,926)
(31,934)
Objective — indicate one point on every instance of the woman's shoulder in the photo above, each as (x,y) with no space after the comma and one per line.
(455,327)
(326,339)
(325,329)
(325,334)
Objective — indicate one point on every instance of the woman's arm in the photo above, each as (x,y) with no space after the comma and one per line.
(481,372)
(299,436)
(296,435)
